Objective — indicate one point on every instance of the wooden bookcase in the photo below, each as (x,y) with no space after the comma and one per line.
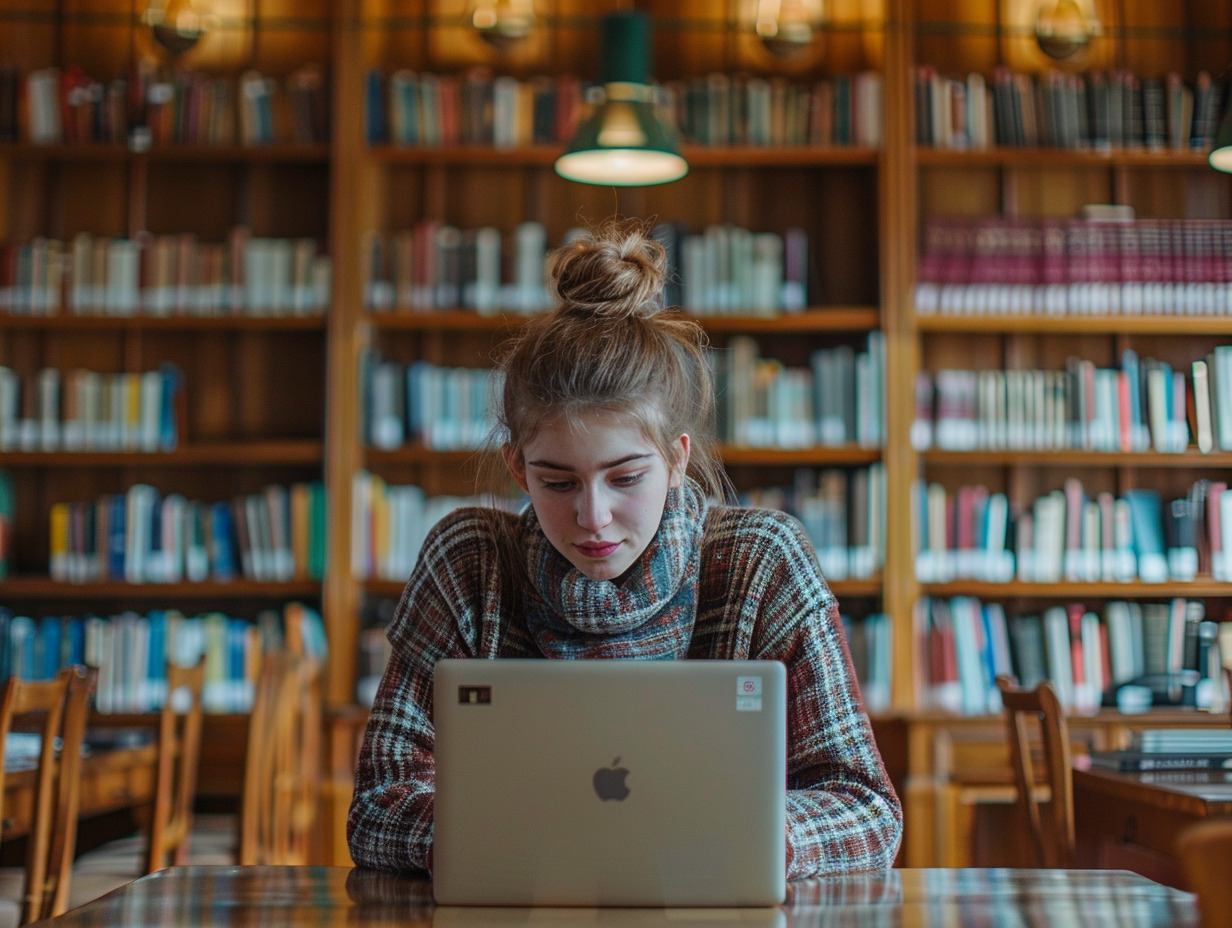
(282,399)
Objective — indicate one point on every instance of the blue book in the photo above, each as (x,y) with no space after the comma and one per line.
(6,645)
(1146,523)
(171,397)
(222,542)
(48,649)
(74,646)
(156,664)
(21,643)
(117,535)
(376,128)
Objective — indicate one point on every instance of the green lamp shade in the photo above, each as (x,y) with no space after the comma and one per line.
(1220,157)
(622,142)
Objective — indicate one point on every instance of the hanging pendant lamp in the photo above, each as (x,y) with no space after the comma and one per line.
(622,142)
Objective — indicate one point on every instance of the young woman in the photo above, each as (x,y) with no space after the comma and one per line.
(623,553)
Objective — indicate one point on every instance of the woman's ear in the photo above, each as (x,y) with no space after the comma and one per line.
(680,466)
(513,460)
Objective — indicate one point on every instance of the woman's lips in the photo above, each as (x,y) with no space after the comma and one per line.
(598,549)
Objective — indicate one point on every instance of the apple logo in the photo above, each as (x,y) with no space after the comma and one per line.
(610,782)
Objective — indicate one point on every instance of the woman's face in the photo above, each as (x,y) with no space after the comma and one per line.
(598,489)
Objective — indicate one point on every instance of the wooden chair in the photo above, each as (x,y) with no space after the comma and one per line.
(59,708)
(1052,837)
(179,748)
(1205,850)
(282,782)
(166,838)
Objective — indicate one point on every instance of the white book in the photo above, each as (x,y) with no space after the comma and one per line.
(386,422)
(361,520)
(123,281)
(151,411)
(765,282)
(530,252)
(1120,642)
(140,503)
(10,408)
(1202,407)
(486,291)
(1087,695)
(1057,653)
(1222,395)
(49,418)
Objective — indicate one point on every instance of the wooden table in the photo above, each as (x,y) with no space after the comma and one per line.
(112,780)
(312,896)
(1132,820)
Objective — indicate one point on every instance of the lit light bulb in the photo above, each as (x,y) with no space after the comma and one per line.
(177,25)
(1063,28)
(503,23)
(787,27)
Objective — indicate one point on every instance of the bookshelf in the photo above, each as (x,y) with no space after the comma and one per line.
(282,397)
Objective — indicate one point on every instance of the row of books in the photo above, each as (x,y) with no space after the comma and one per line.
(478,107)
(869,641)
(132,651)
(435,265)
(148,106)
(82,410)
(1095,110)
(1143,405)
(838,399)
(1069,534)
(389,523)
(965,644)
(144,536)
(723,269)
(843,512)
(164,275)
(1074,266)
(442,408)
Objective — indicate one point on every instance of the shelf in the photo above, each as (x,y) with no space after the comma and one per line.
(1060,158)
(16,588)
(815,319)
(698,156)
(1094,325)
(1067,589)
(250,453)
(204,154)
(191,324)
(1068,458)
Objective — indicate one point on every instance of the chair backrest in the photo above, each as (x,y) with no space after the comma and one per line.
(1205,850)
(58,708)
(179,749)
(282,777)
(1052,838)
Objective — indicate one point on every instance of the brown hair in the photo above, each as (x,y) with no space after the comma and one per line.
(609,346)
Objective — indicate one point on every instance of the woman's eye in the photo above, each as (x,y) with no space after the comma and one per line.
(557,485)
(627,480)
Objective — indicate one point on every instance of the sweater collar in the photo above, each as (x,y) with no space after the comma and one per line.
(649,613)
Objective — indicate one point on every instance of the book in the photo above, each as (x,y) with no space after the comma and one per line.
(1133,761)
(1183,740)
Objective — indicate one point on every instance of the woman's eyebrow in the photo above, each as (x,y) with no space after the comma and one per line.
(550,465)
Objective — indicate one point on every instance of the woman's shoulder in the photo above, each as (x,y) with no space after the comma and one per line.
(468,527)
(752,525)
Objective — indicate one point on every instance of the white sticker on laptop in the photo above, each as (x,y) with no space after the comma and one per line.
(748,694)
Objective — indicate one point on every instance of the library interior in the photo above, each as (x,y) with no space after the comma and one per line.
(964,271)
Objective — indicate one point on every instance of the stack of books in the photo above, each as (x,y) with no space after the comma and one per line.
(1171,749)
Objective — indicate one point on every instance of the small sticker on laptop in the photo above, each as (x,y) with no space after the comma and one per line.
(748,703)
(474,695)
(748,686)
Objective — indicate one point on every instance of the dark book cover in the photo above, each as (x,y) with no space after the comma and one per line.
(1133,761)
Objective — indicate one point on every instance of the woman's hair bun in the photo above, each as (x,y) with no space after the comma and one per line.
(617,270)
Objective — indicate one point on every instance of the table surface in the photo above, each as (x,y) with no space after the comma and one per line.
(1201,792)
(356,898)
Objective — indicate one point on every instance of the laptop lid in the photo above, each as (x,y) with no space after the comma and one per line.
(610,783)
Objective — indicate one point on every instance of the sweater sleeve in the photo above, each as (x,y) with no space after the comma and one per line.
(843,814)
(439,615)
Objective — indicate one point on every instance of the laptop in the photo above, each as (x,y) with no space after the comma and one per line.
(610,783)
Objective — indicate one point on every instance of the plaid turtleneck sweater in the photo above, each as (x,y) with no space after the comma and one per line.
(757,593)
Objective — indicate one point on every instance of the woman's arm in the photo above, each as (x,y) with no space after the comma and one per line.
(439,615)
(842,812)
